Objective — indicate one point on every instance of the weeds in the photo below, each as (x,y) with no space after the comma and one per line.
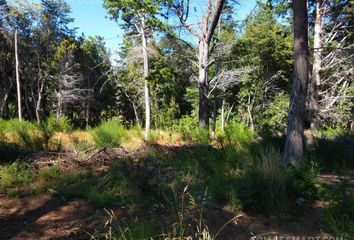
(15,175)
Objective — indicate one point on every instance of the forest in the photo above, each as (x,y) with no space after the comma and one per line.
(201,126)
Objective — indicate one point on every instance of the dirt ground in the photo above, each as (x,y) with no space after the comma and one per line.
(54,217)
(51,217)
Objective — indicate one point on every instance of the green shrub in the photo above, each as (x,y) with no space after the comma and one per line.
(329,132)
(52,125)
(200,136)
(15,175)
(302,181)
(276,115)
(239,135)
(27,134)
(109,134)
(188,127)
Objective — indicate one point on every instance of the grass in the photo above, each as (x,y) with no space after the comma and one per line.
(15,176)
(240,171)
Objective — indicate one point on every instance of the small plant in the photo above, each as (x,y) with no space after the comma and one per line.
(302,181)
(239,136)
(52,125)
(15,175)
(109,134)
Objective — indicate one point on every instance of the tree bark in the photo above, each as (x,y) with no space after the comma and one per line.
(223,115)
(146,87)
(316,76)
(18,86)
(39,101)
(203,80)
(4,99)
(294,149)
(213,127)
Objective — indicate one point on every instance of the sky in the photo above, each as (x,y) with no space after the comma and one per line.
(91,19)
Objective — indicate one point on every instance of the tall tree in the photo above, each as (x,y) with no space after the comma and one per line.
(18,84)
(141,17)
(316,68)
(294,143)
(209,21)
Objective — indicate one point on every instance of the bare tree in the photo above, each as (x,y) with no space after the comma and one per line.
(208,25)
(293,150)
(317,62)
(69,83)
(333,67)
(18,86)
(223,80)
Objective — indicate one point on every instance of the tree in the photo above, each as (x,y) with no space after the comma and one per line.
(18,86)
(95,67)
(208,25)
(140,17)
(330,94)
(294,145)
(52,27)
(316,68)
(69,91)
(265,47)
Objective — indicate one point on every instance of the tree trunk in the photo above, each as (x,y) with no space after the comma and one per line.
(316,77)
(18,86)
(223,115)
(203,79)
(213,127)
(293,151)
(249,111)
(3,105)
(146,87)
(39,101)
(60,103)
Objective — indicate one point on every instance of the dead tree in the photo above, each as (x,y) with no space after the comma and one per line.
(204,35)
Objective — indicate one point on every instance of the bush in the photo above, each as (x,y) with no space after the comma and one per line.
(275,116)
(238,135)
(302,181)
(109,134)
(14,175)
(52,125)
(190,131)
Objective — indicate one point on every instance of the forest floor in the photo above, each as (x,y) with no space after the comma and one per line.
(50,215)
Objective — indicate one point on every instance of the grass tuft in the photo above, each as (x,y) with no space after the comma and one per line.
(109,134)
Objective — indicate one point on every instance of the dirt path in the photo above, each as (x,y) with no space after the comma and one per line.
(41,217)
(46,217)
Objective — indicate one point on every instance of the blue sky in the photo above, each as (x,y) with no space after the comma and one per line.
(92,19)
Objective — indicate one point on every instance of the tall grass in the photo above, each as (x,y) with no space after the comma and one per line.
(109,134)
(26,134)
(263,186)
